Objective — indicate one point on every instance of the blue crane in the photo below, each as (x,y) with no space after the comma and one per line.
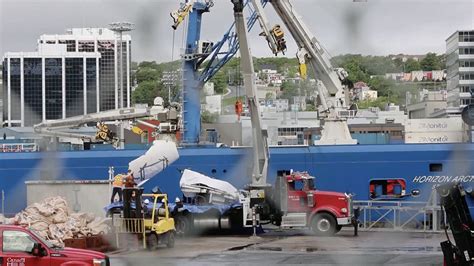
(212,60)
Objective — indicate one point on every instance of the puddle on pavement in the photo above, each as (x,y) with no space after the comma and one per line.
(270,248)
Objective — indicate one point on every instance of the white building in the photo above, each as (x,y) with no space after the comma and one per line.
(460,68)
(107,43)
(272,77)
(49,84)
(281,105)
(299,103)
(368,94)
(214,104)
(208,88)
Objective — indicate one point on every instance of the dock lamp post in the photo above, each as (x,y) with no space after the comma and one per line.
(119,28)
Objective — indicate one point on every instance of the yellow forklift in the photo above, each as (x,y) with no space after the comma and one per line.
(159,226)
(148,217)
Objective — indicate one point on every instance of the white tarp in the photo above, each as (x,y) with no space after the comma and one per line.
(193,183)
(158,157)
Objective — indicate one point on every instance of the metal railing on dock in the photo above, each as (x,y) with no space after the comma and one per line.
(399,215)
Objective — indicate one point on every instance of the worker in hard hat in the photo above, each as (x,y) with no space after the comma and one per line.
(146,212)
(117,185)
(130,179)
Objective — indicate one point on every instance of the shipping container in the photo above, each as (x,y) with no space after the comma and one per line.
(452,124)
(433,137)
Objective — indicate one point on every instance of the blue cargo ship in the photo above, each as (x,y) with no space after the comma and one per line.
(364,170)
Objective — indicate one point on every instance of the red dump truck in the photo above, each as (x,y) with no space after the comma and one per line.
(23,247)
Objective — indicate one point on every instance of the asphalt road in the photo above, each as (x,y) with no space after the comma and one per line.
(287,248)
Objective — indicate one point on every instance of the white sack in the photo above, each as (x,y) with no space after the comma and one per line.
(159,156)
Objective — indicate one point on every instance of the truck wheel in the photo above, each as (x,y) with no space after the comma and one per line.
(183,225)
(170,242)
(323,224)
(151,241)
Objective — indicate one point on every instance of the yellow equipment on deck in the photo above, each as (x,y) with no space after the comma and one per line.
(180,14)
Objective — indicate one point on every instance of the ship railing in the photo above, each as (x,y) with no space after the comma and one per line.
(408,216)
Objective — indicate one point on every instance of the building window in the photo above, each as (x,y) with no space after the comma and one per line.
(33,103)
(15,88)
(74,87)
(386,188)
(53,83)
(91,75)
(5,89)
(107,74)
(466,63)
(86,46)
(466,51)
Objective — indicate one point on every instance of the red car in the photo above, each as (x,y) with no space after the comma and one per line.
(22,247)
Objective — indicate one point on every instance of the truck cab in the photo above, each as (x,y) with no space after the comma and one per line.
(302,205)
(22,247)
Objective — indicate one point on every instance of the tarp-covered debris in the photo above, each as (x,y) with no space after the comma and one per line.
(217,191)
(52,220)
(157,158)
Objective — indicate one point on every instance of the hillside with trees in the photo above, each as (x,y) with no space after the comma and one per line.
(369,69)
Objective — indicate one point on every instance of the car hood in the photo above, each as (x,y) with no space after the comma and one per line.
(80,253)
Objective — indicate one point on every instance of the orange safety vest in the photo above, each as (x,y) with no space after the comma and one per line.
(238,108)
(118,182)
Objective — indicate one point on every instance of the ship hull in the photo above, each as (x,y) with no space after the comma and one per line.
(347,169)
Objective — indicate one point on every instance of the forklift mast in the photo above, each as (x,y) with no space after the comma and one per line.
(453,201)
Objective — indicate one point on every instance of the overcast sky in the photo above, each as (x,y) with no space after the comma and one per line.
(378,27)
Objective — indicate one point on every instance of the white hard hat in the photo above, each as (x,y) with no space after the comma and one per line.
(146,201)
(177,199)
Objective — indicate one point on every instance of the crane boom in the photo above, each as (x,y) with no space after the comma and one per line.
(331,92)
(168,118)
(274,35)
(260,146)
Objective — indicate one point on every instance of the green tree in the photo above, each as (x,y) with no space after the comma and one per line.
(288,90)
(146,92)
(208,117)
(380,102)
(381,85)
(220,82)
(268,96)
(147,74)
(148,64)
(412,65)
(431,62)
(310,107)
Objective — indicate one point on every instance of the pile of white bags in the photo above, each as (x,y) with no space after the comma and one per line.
(52,220)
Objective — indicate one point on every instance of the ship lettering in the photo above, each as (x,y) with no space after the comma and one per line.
(441,179)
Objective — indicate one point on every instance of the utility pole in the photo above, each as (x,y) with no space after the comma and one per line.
(119,28)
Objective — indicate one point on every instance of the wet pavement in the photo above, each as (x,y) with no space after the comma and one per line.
(295,247)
